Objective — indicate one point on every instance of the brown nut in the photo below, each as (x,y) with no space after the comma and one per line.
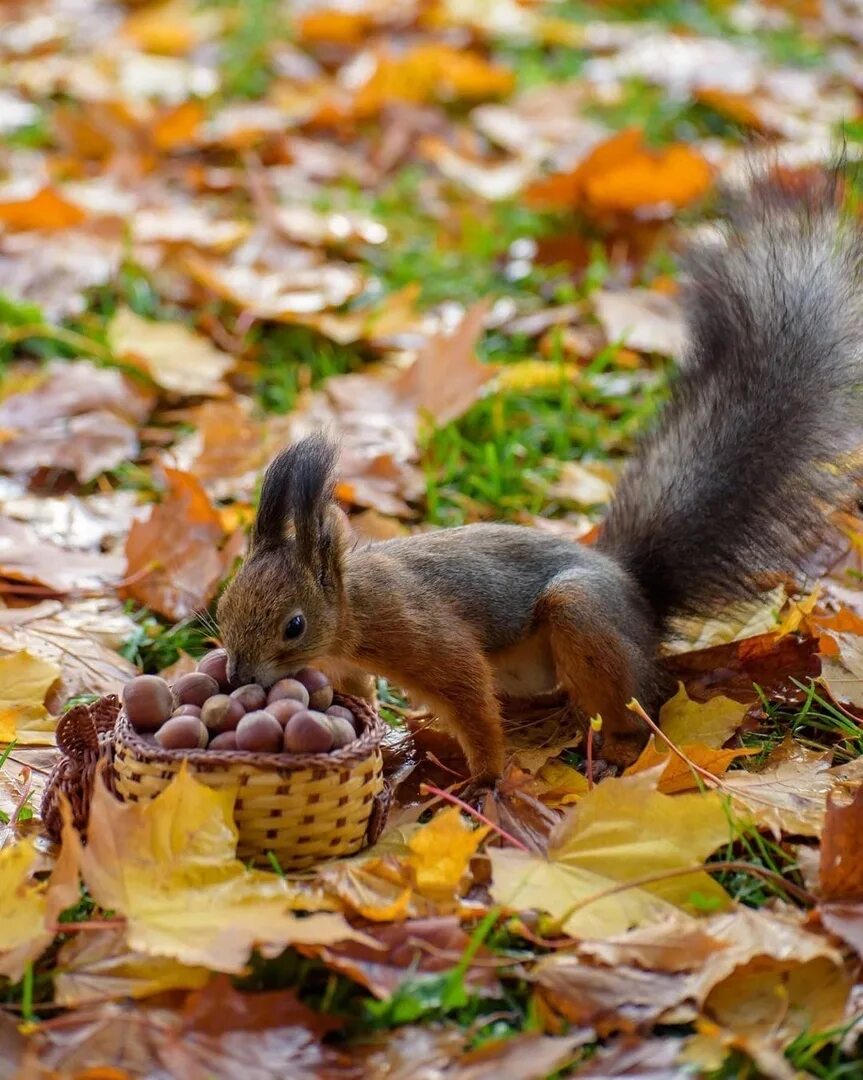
(284,709)
(259,731)
(187,710)
(148,702)
(343,731)
(182,733)
(194,688)
(308,733)
(251,696)
(215,664)
(319,687)
(345,714)
(222,713)
(227,740)
(288,689)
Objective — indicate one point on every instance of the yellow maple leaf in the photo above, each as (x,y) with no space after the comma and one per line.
(170,867)
(441,851)
(706,723)
(175,357)
(24,683)
(28,907)
(624,830)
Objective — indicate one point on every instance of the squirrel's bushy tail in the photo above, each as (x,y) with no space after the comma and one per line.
(760,437)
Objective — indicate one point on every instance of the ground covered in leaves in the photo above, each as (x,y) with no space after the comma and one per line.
(447,229)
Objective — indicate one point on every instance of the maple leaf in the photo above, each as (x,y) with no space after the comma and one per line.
(176,558)
(29,908)
(24,684)
(709,723)
(100,967)
(169,866)
(623,830)
(175,357)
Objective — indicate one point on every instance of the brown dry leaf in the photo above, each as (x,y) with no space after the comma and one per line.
(841,871)
(292,296)
(583,485)
(77,640)
(232,443)
(169,866)
(175,357)
(842,674)
(45,210)
(176,558)
(77,417)
(378,437)
(446,377)
(407,950)
(250,1035)
(99,967)
(788,795)
(641,319)
(528,1056)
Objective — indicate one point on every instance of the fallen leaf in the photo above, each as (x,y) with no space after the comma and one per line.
(24,684)
(582,485)
(446,378)
(169,867)
(527,1056)
(45,210)
(623,175)
(175,357)
(78,640)
(677,775)
(99,967)
(841,871)
(27,559)
(408,950)
(708,723)
(176,558)
(440,853)
(428,72)
(842,673)
(641,319)
(77,417)
(29,908)
(788,795)
(623,830)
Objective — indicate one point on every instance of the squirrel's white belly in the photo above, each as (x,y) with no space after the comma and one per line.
(525,669)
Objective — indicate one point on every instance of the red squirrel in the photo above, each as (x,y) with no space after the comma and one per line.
(753,447)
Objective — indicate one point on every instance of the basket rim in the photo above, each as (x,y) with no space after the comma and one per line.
(347,756)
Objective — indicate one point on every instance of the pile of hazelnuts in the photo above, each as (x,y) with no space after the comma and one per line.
(201,711)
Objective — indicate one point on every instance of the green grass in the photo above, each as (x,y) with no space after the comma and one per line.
(496,460)
(816,724)
(292,358)
(155,644)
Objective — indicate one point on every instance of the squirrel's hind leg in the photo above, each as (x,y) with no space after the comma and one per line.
(596,665)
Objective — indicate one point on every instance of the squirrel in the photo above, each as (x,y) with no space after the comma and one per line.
(755,445)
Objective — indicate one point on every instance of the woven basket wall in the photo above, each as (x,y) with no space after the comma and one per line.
(303,808)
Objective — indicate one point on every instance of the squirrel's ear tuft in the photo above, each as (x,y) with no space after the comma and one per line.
(297,491)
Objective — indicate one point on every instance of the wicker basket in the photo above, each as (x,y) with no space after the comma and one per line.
(301,808)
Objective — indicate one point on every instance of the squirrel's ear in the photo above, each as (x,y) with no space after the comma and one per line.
(298,492)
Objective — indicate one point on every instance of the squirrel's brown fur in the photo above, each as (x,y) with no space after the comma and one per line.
(733,482)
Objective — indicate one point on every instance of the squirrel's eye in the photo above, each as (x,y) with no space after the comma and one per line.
(294,626)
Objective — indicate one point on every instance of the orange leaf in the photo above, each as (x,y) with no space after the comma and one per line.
(176,558)
(175,128)
(47,209)
(431,72)
(333,27)
(677,775)
(622,175)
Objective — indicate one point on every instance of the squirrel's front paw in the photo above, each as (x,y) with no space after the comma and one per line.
(600,769)
(476,790)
